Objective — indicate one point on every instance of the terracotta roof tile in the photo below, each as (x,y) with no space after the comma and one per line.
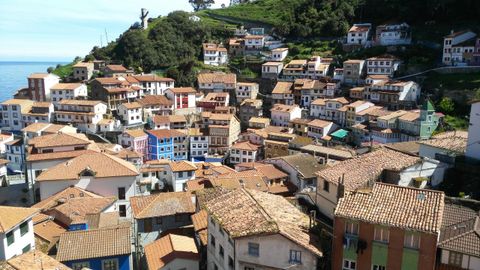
(244,212)
(246,145)
(166,133)
(101,164)
(454,143)
(162,204)
(48,230)
(217,77)
(135,133)
(168,248)
(66,86)
(74,211)
(91,244)
(359,171)
(182,166)
(183,90)
(149,100)
(11,216)
(395,206)
(282,88)
(200,220)
(35,260)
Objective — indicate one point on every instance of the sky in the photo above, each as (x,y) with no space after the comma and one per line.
(59,30)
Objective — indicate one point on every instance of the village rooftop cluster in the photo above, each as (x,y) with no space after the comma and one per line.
(295,170)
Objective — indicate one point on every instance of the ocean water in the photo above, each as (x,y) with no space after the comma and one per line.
(13,75)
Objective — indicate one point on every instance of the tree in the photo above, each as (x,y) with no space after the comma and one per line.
(50,69)
(201,4)
(446,106)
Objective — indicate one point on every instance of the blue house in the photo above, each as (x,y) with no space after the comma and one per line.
(167,144)
(107,248)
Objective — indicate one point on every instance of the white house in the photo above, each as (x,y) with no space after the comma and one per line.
(382,65)
(5,138)
(328,109)
(242,152)
(456,45)
(12,110)
(82,114)
(182,97)
(181,172)
(217,82)
(278,54)
(473,145)
(99,173)
(271,69)
(254,42)
(282,114)
(198,144)
(320,128)
(152,84)
(214,54)
(359,34)
(258,230)
(131,113)
(40,112)
(61,91)
(16,231)
(246,90)
(393,34)
(49,150)
(15,155)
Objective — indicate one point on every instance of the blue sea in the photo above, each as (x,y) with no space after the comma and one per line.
(13,75)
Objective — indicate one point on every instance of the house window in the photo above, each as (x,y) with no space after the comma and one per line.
(121,193)
(10,238)
(351,228)
(212,240)
(349,265)
(158,220)
(110,264)
(26,248)
(378,267)
(24,228)
(230,262)
(326,186)
(411,240)
(122,210)
(221,252)
(254,249)
(180,174)
(295,256)
(80,265)
(455,259)
(381,234)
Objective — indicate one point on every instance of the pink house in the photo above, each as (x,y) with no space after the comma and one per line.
(134,139)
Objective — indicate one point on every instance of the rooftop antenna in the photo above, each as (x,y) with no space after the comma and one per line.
(106,36)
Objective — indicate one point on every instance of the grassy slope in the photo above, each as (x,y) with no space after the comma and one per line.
(271,12)
(64,70)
